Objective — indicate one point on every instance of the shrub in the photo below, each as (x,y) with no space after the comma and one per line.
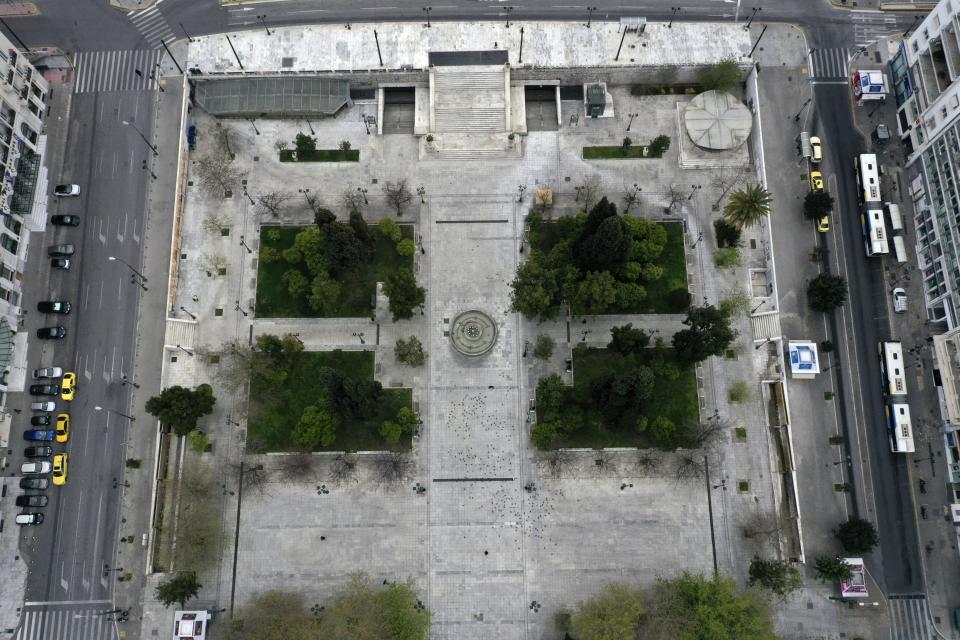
(660,145)
(727,234)
(739,392)
(406,247)
(269,255)
(344,145)
(543,348)
(726,258)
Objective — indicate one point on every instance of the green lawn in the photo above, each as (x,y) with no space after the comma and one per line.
(320,155)
(273,419)
(356,288)
(673,399)
(617,153)
(669,293)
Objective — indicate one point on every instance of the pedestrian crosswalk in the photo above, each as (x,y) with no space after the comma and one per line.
(151,23)
(828,65)
(133,70)
(910,618)
(52,622)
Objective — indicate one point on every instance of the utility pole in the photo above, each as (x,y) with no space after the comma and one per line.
(189,39)
(520,59)
(177,64)
(377,40)
(230,42)
(153,147)
(750,55)
(622,38)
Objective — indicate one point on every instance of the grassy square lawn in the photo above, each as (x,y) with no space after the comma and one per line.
(356,288)
(673,399)
(272,419)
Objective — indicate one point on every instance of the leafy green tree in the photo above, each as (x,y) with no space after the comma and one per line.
(626,340)
(410,352)
(309,243)
(858,536)
(746,207)
(722,76)
(606,250)
(303,142)
(726,258)
(405,296)
(198,440)
(615,613)
(390,229)
(535,289)
(659,145)
(596,293)
(708,334)
(317,426)
(626,144)
(630,296)
(390,431)
(728,235)
(324,294)
(544,435)
(403,425)
(292,255)
(269,255)
(817,204)
(543,347)
(275,615)
(297,283)
(179,408)
(663,431)
(599,213)
(178,589)
(832,569)
(363,610)
(780,577)
(358,398)
(342,250)
(408,419)
(406,247)
(826,292)
(617,393)
(322,217)
(361,230)
(648,239)
(551,393)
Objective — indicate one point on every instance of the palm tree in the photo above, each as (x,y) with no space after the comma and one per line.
(747,206)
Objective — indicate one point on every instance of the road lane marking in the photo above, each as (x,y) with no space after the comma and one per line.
(113,172)
(86,372)
(120,289)
(136,236)
(86,296)
(44,603)
(120,235)
(130,163)
(103,238)
(100,305)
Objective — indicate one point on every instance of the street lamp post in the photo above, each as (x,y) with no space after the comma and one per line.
(693,189)
(187,312)
(630,122)
(186,351)
(185,32)
(359,335)
(124,381)
(310,126)
(263,21)
(750,19)
(249,197)
(754,310)
(153,147)
(244,245)
(123,415)
(421,191)
(590,11)
(254,125)
(129,266)
(240,309)
(673,13)
(508,10)
(230,42)
(697,241)
(520,191)
(363,192)
(426,11)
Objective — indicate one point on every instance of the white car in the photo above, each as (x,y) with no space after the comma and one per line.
(66,190)
(35,467)
(899,300)
(47,372)
(49,405)
(816,150)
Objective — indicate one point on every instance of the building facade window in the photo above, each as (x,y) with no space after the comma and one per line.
(9,243)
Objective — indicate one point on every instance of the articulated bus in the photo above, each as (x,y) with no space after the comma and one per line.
(891,368)
(868,178)
(874,232)
(898,428)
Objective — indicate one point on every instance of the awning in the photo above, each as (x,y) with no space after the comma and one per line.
(6,344)
(272,97)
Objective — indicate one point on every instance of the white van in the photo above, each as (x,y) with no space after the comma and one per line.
(29,518)
(899,300)
(35,467)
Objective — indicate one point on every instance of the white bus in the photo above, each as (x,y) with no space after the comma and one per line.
(891,368)
(899,429)
(874,232)
(868,178)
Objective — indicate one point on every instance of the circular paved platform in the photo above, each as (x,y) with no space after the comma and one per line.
(473,333)
(717,121)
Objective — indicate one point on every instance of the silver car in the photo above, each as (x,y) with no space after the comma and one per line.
(35,467)
(47,405)
(47,372)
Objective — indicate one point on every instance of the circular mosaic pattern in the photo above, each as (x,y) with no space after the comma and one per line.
(473,333)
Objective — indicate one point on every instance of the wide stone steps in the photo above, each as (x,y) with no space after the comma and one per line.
(468,120)
(477,154)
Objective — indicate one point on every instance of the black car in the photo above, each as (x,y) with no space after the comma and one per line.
(32,501)
(66,221)
(42,451)
(53,306)
(51,333)
(44,389)
(34,483)
(61,250)
(40,421)
(60,263)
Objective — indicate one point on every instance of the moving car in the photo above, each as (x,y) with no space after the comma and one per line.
(38,484)
(817,151)
(60,263)
(44,389)
(32,501)
(66,190)
(899,300)
(35,467)
(63,427)
(816,181)
(53,306)
(46,405)
(823,224)
(40,421)
(68,386)
(43,451)
(29,518)
(51,333)
(60,250)
(60,469)
(68,220)
(47,372)
(38,435)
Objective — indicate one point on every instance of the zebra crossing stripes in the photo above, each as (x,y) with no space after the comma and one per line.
(151,23)
(829,65)
(116,70)
(910,618)
(55,623)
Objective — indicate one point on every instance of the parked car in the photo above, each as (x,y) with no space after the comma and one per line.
(60,263)
(823,224)
(66,190)
(42,451)
(60,250)
(816,181)
(35,467)
(63,427)
(60,469)
(38,435)
(899,300)
(817,151)
(44,389)
(40,421)
(37,484)
(46,405)
(32,501)
(68,386)
(29,518)
(47,372)
(51,333)
(53,306)
(68,220)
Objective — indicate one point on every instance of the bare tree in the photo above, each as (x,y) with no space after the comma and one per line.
(676,197)
(214,223)
(708,433)
(271,203)
(728,178)
(344,467)
(224,139)
(762,526)
(648,461)
(557,461)
(393,468)
(603,462)
(354,199)
(689,468)
(590,191)
(213,265)
(631,196)
(398,195)
(297,467)
(254,476)
(217,175)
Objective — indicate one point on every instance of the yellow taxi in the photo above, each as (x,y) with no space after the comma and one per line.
(63,427)
(816,182)
(823,224)
(60,469)
(68,385)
